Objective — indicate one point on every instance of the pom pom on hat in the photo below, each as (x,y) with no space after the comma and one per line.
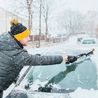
(14,22)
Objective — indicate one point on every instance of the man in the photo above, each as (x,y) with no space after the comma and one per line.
(13,57)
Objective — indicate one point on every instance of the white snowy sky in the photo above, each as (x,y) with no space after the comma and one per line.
(60,5)
(81,5)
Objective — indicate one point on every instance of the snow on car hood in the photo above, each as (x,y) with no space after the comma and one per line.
(48,95)
(83,93)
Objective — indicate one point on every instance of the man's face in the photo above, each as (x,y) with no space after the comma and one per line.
(25,41)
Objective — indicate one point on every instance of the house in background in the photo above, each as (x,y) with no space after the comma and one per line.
(5,17)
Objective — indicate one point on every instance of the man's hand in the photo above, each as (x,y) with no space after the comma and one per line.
(70,59)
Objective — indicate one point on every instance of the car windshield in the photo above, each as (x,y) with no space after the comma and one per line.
(80,74)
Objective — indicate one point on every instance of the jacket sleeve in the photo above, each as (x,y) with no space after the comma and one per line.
(26,59)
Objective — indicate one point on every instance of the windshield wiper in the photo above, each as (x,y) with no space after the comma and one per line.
(55,90)
(60,76)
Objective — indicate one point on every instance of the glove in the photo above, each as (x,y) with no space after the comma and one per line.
(71,59)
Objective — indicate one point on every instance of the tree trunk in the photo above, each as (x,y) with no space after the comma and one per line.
(46,20)
(40,21)
(29,5)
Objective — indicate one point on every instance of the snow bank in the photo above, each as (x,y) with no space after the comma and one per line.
(83,93)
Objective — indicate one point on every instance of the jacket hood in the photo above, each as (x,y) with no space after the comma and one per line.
(7,42)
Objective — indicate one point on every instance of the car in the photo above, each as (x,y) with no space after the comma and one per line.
(89,41)
(56,81)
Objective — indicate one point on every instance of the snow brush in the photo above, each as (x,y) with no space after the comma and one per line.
(79,56)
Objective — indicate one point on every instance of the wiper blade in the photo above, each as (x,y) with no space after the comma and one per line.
(44,89)
(55,90)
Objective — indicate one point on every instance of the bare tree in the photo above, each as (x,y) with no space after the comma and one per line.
(71,21)
(29,8)
(45,14)
(90,22)
(40,23)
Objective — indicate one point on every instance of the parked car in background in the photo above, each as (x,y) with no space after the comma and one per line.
(89,41)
